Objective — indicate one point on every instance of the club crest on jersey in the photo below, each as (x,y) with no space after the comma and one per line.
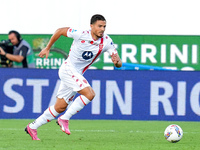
(87,55)
(101,46)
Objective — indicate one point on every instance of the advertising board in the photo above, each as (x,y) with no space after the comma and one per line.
(171,52)
(120,95)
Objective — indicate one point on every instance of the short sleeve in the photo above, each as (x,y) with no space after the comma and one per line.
(73,33)
(23,51)
(110,47)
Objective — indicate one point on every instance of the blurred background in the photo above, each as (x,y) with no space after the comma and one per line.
(154,17)
(157,40)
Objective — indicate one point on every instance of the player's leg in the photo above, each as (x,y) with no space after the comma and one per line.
(87,95)
(69,95)
(48,115)
(77,83)
(64,92)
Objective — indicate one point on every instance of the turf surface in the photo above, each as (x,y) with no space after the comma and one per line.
(98,135)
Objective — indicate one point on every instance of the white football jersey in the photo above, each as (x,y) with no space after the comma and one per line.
(85,50)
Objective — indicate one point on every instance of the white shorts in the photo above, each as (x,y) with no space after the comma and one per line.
(71,82)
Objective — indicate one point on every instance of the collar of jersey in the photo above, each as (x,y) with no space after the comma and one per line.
(96,42)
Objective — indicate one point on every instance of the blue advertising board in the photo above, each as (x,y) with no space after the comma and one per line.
(120,94)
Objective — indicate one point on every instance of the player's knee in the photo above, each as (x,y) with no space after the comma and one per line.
(91,96)
(88,92)
(60,109)
(60,105)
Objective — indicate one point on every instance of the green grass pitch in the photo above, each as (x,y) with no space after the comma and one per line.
(98,135)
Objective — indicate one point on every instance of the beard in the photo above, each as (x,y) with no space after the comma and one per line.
(97,35)
(100,35)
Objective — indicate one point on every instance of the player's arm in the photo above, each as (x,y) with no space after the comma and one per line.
(116,60)
(110,47)
(53,39)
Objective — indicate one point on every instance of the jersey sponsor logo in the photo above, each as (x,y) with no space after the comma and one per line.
(87,55)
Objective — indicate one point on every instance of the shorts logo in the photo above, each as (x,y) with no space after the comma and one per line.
(71,98)
(87,55)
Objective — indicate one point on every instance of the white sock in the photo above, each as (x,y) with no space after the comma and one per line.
(48,115)
(75,107)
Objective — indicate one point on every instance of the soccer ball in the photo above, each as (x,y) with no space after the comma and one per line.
(173,133)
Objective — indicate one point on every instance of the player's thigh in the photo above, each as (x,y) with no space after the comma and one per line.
(65,92)
(73,79)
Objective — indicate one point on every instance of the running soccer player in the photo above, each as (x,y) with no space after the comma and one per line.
(85,49)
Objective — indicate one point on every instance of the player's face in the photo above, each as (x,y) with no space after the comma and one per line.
(13,39)
(97,29)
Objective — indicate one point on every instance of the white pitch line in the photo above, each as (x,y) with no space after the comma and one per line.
(16,129)
(111,131)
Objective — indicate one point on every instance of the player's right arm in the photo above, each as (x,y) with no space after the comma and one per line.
(53,39)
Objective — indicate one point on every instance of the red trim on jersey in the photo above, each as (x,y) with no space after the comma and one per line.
(99,52)
(83,101)
(51,112)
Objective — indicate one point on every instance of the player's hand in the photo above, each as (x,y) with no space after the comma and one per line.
(44,52)
(2,52)
(116,60)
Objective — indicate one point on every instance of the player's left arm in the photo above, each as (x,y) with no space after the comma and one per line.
(116,60)
(113,52)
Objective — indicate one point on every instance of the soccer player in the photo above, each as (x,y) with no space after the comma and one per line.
(85,49)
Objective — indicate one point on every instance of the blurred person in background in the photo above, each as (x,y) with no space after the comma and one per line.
(23,56)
